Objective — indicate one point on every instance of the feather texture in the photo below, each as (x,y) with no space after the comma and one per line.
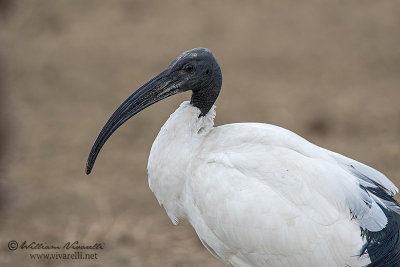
(260,195)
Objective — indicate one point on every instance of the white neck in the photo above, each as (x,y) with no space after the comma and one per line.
(172,153)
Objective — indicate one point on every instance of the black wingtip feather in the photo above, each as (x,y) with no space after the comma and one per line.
(383,247)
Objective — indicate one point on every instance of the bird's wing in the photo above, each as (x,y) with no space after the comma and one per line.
(382,246)
(255,185)
(377,184)
(262,178)
(364,190)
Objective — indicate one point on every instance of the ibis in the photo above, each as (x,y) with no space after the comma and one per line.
(257,194)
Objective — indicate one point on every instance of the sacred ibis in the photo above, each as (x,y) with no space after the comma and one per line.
(257,194)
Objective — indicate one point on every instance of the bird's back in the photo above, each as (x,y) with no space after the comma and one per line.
(263,196)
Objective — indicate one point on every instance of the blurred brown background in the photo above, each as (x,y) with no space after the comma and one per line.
(328,70)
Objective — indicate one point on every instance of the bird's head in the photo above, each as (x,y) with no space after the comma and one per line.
(196,70)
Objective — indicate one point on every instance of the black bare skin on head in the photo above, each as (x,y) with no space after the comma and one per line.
(196,70)
(202,75)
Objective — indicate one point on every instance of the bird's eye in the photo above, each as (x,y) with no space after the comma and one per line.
(188,67)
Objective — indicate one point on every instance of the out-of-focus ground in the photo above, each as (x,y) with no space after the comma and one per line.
(329,71)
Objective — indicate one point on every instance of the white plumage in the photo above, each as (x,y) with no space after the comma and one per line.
(258,194)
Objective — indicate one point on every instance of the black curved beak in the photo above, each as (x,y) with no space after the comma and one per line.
(153,91)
